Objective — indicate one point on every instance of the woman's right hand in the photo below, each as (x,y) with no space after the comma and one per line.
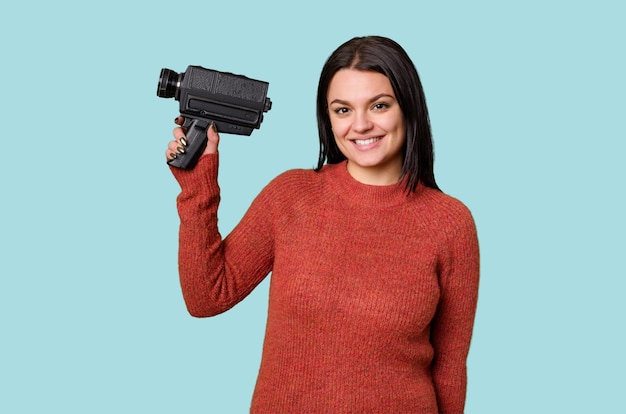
(178,145)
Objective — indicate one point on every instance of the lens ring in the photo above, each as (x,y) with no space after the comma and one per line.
(168,83)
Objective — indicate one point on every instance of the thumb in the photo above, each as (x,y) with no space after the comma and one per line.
(213,139)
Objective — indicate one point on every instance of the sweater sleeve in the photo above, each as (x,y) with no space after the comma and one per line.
(451,330)
(215,273)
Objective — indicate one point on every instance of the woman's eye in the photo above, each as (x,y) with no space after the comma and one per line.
(341,110)
(381,105)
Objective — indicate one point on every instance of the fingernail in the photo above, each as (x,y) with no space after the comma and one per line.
(213,126)
(181,150)
(172,156)
(176,120)
(183,141)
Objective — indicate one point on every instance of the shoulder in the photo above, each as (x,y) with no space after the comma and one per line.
(445,203)
(297,175)
(447,212)
(296,180)
(293,185)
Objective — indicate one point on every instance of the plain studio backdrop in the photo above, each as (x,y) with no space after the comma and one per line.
(527,110)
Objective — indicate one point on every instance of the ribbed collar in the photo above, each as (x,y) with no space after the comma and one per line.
(355,192)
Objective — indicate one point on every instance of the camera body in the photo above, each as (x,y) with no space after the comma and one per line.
(235,103)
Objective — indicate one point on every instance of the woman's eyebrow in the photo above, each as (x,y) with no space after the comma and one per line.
(375,98)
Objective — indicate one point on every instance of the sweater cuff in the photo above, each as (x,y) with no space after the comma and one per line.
(204,171)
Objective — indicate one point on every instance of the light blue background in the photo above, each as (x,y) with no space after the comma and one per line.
(527,108)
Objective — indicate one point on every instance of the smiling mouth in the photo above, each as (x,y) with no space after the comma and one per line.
(367,141)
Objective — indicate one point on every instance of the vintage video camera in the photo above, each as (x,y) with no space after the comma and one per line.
(234,102)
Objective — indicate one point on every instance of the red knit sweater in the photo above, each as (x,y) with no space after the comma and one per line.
(372,294)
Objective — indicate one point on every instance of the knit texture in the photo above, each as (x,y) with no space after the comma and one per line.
(372,292)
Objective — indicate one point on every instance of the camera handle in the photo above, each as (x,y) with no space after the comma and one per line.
(196,143)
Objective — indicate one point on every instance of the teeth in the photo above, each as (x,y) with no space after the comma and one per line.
(366,141)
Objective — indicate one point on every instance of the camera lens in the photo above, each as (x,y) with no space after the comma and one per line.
(168,84)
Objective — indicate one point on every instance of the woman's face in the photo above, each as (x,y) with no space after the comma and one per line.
(368,125)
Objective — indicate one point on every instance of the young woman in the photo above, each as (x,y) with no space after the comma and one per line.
(374,270)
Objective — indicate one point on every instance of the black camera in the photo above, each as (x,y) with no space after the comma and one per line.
(235,103)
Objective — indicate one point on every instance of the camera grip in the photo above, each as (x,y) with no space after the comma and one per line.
(196,143)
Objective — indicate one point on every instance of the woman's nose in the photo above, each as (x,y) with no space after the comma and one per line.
(361,122)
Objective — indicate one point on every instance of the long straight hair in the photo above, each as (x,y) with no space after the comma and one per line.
(382,55)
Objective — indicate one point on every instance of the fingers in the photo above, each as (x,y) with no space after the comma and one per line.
(176,147)
(179,144)
(213,139)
